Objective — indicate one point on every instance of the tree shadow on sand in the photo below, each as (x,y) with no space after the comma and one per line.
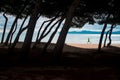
(71,56)
(75,64)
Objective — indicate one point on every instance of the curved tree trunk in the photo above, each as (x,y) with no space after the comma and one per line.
(61,39)
(31,26)
(106,38)
(42,35)
(102,33)
(49,29)
(13,25)
(12,35)
(51,37)
(19,33)
(110,35)
(10,32)
(5,25)
(41,29)
(110,32)
(36,41)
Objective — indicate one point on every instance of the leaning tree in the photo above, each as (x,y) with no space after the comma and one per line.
(86,8)
(16,8)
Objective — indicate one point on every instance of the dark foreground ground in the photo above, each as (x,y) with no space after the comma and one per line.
(87,64)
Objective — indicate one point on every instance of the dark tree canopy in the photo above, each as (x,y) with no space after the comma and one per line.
(50,8)
(86,11)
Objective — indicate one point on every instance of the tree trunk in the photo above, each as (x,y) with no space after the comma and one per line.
(61,40)
(31,26)
(12,27)
(5,25)
(42,35)
(50,29)
(106,38)
(19,33)
(51,37)
(41,29)
(112,26)
(102,33)
(110,32)
(12,35)
(36,41)
(11,30)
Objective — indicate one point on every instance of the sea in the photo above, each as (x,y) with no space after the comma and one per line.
(75,35)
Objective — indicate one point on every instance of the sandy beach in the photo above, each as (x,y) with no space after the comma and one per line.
(87,46)
(71,47)
(76,48)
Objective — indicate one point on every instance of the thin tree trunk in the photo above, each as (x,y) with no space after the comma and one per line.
(109,31)
(10,32)
(5,25)
(12,35)
(41,29)
(12,27)
(51,38)
(49,30)
(102,33)
(36,41)
(41,36)
(19,33)
(31,26)
(10,50)
(61,40)
(23,23)
(110,35)
(106,38)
